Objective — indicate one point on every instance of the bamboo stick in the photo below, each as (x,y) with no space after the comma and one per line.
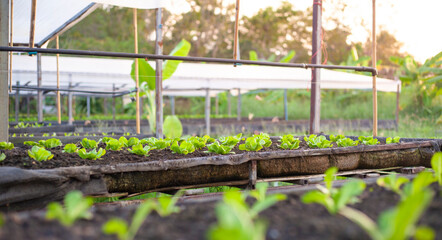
(373,62)
(57,43)
(137,98)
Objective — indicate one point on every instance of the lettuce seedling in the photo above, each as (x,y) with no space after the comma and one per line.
(133,141)
(70,148)
(50,143)
(76,207)
(155,143)
(140,150)
(40,154)
(6,145)
(107,139)
(89,144)
(335,139)
(256,143)
(219,148)
(393,140)
(346,142)
(184,148)
(314,141)
(334,199)
(289,142)
(198,142)
(114,144)
(369,140)
(123,141)
(92,155)
(436,164)
(167,204)
(230,140)
(393,182)
(2,157)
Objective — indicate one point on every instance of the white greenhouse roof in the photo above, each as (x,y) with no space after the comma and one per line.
(56,16)
(190,79)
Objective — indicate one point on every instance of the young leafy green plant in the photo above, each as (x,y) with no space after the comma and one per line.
(140,150)
(256,143)
(436,164)
(70,148)
(289,142)
(92,155)
(113,144)
(6,145)
(133,141)
(76,207)
(346,142)
(155,143)
(393,140)
(220,148)
(40,154)
(393,182)
(123,141)
(369,140)
(419,183)
(89,144)
(230,140)
(198,142)
(50,143)
(167,204)
(314,141)
(2,157)
(334,199)
(184,148)
(335,139)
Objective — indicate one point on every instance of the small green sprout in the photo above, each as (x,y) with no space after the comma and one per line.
(436,164)
(393,140)
(70,148)
(2,157)
(369,140)
(393,182)
(92,155)
(76,207)
(216,147)
(256,143)
(140,150)
(289,142)
(89,144)
(184,148)
(314,141)
(346,142)
(6,145)
(40,154)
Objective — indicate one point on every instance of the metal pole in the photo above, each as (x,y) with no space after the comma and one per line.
(397,103)
(28,103)
(40,93)
(373,64)
(105,105)
(137,96)
(207,112)
(315,98)
(88,106)
(4,96)
(286,110)
(58,82)
(229,103)
(235,40)
(113,104)
(11,43)
(17,101)
(217,105)
(159,75)
(70,110)
(238,110)
(172,104)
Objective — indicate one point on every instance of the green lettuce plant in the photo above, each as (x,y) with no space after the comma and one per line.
(92,155)
(256,142)
(393,140)
(335,139)
(2,157)
(40,154)
(50,143)
(76,207)
(140,150)
(132,141)
(89,144)
(114,144)
(155,143)
(6,145)
(123,141)
(216,147)
(289,142)
(70,148)
(346,142)
(230,140)
(314,141)
(436,164)
(199,142)
(368,140)
(184,148)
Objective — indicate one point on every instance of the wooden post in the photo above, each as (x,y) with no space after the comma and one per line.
(373,63)
(315,97)
(172,104)
(159,75)
(217,105)
(58,81)
(32,28)
(238,110)
(137,96)
(17,101)
(229,103)
(113,104)
(253,175)
(397,102)
(235,40)
(11,44)
(105,105)
(286,110)
(28,103)
(70,110)
(40,93)
(88,106)
(207,112)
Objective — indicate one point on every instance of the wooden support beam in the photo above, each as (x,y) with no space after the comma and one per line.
(159,75)
(58,81)
(253,174)
(137,84)
(315,97)
(373,64)
(32,28)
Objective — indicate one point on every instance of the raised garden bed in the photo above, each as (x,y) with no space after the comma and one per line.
(25,183)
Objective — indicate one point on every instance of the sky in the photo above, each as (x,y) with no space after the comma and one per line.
(415,23)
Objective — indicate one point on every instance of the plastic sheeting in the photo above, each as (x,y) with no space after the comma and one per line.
(190,79)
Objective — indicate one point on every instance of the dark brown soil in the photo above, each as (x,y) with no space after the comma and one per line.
(18,157)
(289,219)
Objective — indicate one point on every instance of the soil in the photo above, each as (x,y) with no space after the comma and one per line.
(289,219)
(18,157)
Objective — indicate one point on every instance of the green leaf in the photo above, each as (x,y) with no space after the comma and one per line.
(51,143)
(320,198)
(140,150)
(172,127)
(70,148)
(92,155)
(216,147)
(133,141)
(76,207)
(116,226)
(436,164)
(114,144)
(434,79)
(40,154)
(253,56)
(424,233)
(287,58)
(89,144)
(329,177)
(6,145)
(140,215)
(146,73)
(2,157)
(170,66)
(347,193)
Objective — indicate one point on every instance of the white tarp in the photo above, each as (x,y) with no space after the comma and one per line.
(190,79)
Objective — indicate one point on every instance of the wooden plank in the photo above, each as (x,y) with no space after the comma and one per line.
(4,96)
